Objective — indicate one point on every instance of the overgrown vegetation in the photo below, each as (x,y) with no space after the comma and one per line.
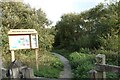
(81,64)
(81,36)
(77,36)
(94,29)
(21,16)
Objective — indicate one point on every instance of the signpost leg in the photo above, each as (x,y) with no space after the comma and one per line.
(36,52)
(12,55)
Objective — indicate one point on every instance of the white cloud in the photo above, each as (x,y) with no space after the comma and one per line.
(55,8)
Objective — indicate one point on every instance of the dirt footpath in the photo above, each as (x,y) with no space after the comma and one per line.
(67,73)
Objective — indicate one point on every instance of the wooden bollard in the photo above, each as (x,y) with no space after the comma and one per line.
(93,74)
(28,73)
(100,59)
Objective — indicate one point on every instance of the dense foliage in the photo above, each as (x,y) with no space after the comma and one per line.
(94,28)
(21,16)
(81,36)
(84,35)
(81,64)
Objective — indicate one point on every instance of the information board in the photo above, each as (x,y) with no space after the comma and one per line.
(34,41)
(19,42)
(23,39)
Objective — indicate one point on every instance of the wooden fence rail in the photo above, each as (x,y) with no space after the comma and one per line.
(101,68)
(108,68)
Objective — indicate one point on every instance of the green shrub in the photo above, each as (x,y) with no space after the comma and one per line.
(57,64)
(49,65)
(82,70)
(111,75)
(47,72)
(63,52)
(85,50)
(81,64)
(111,56)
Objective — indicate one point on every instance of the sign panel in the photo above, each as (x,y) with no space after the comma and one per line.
(34,41)
(23,39)
(19,42)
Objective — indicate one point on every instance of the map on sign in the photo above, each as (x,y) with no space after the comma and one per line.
(19,42)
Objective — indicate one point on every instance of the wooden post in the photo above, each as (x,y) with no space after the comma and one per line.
(27,73)
(36,52)
(93,74)
(12,55)
(100,59)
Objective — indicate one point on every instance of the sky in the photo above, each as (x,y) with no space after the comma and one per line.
(54,9)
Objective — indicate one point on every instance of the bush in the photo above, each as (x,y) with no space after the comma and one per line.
(81,64)
(63,52)
(82,70)
(47,72)
(49,65)
(111,56)
(111,75)
(85,50)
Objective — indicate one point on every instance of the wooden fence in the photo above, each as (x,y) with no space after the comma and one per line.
(101,68)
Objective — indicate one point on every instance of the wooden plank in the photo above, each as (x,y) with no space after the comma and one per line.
(22,31)
(108,68)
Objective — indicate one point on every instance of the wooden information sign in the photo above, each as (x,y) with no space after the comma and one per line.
(23,39)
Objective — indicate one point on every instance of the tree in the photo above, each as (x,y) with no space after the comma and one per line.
(95,28)
(22,16)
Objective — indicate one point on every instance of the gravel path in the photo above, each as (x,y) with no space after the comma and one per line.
(67,73)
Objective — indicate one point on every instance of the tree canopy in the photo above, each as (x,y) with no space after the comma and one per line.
(94,28)
(22,16)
